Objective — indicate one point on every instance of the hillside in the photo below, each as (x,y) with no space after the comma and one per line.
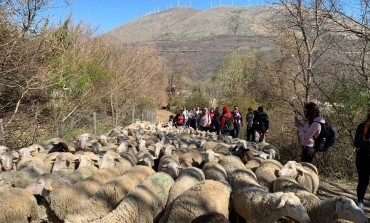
(203,37)
(187,24)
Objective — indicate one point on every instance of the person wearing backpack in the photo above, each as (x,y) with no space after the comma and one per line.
(227,122)
(309,130)
(362,145)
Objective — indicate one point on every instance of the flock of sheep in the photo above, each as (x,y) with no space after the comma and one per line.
(156,173)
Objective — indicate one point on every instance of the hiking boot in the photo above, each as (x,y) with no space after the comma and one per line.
(361,207)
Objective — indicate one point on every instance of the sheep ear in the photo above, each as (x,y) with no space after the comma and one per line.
(282,203)
(300,168)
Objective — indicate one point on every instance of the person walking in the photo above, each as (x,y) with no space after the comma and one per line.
(179,119)
(238,121)
(227,122)
(186,116)
(216,121)
(362,145)
(204,120)
(309,130)
(262,123)
(251,132)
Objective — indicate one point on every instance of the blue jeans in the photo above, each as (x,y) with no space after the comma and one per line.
(236,131)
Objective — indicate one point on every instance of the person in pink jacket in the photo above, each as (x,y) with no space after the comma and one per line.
(309,130)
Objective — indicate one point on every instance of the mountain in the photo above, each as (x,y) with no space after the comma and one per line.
(201,36)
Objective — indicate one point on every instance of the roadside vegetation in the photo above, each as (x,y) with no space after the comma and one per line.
(53,77)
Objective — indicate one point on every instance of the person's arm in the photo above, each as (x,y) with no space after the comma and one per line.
(241,119)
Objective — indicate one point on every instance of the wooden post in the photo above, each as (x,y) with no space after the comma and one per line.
(133,115)
(60,129)
(94,122)
(2,139)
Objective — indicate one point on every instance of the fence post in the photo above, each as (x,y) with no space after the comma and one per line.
(60,129)
(94,122)
(133,115)
(2,139)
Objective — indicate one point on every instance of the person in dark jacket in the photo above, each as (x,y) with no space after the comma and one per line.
(362,144)
(262,123)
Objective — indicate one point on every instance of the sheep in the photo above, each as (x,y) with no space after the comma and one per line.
(7,162)
(214,171)
(64,200)
(108,197)
(22,177)
(305,174)
(267,173)
(64,161)
(231,163)
(17,205)
(144,203)
(253,201)
(193,158)
(254,163)
(321,211)
(80,174)
(205,197)
(242,178)
(169,164)
(187,178)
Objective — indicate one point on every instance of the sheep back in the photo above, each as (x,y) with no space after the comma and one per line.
(109,195)
(205,197)
(144,203)
(187,178)
(214,171)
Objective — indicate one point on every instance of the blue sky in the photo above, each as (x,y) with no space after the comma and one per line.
(109,14)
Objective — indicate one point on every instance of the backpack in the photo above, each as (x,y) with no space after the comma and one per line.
(229,125)
(326,133)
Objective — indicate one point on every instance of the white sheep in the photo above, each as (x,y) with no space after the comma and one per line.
(144,203)
(109,195)
(169,164)
(187,178)
(17,205)
(321,211)
(242,178)
(205,197)
(254,163)
(304,173)
(64,200)
(268,172)
(250,202)
(214,171)
(231,163)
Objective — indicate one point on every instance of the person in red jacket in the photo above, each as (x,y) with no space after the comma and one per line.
(227,122)
(179,119)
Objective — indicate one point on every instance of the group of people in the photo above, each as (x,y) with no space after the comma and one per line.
(226,123)
(310,130)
